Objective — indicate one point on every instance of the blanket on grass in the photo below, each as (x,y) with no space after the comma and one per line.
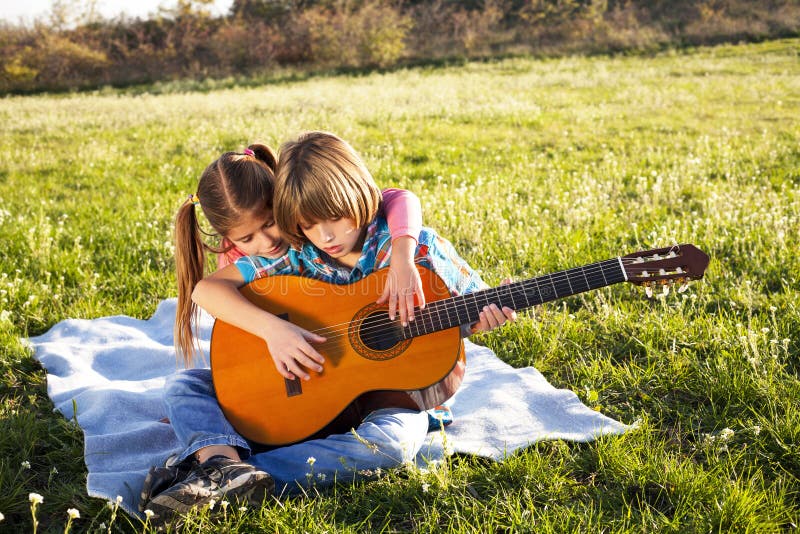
(111,371)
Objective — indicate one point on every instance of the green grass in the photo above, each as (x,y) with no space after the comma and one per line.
(528,166)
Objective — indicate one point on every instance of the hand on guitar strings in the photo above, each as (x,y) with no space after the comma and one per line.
(492,316)
(291,351)
(402,284)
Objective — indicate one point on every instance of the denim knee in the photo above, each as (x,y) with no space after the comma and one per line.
(194,381)
(398,434)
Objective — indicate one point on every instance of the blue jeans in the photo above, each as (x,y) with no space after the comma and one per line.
(388,438)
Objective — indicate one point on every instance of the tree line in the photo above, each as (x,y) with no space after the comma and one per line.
(77,49)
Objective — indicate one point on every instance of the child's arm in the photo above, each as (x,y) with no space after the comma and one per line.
(462,279)
(288,344)
(404,217)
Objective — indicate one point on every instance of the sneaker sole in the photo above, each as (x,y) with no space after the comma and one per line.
(166,507)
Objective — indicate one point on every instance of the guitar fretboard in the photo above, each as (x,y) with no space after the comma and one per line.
(464,309)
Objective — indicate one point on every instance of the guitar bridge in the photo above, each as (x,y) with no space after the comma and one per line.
(293,387)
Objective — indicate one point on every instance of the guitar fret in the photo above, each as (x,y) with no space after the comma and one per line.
(571,290)
(525,294)
(555,291)
(583,272)
(602,272)
(439,315)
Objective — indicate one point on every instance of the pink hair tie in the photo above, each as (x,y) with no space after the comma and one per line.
(248,152)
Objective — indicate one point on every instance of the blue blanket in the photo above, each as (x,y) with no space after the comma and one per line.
(112,369)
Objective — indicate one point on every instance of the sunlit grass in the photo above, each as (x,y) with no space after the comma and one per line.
(528,166)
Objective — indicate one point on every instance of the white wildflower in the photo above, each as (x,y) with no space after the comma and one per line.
(243,508)
(756,430)
(311,460)
(321,476)
(725,434)
(426,487)
(35,498)
(26,464)
(149,513)
(2,516)
(73,513)
(119,499)
(224,504)
(211,504)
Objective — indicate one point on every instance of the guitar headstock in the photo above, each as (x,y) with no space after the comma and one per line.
(665,267)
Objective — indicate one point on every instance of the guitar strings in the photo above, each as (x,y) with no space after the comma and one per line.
(593,274)
(515,290)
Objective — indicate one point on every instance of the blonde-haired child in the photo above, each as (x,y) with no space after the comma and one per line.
(235,193)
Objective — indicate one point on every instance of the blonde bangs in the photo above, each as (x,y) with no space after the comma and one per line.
(322,180)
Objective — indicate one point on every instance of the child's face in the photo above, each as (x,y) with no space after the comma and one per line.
(336,237)
(258,235)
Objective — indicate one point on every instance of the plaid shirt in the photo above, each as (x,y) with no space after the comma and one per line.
(433,252)
(254,267)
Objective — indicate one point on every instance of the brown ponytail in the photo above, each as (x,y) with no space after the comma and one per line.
(230,188)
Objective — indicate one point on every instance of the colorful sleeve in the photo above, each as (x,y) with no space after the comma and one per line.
(255,267)
(403,213)
(445,261)
(230,256)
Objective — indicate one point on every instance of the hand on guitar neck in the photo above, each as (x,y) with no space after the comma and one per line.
(366,352)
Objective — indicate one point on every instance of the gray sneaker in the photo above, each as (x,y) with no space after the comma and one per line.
(215,479)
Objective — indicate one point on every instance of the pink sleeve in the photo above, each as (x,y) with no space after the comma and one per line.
(403,213)
(226,258)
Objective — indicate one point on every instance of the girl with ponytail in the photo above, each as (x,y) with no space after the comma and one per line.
(235,194)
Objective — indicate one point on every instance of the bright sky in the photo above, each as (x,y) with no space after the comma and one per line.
(29,10)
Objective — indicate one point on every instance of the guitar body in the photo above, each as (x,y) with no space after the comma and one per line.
(368,364)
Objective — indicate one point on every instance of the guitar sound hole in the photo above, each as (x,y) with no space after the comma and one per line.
(378,333)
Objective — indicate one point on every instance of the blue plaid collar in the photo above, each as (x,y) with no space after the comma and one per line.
(328,269)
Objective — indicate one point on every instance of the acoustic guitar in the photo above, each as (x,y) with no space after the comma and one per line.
(372,361)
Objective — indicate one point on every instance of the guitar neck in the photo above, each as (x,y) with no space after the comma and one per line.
(465,309)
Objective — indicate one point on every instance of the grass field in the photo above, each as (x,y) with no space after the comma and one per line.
(528,166)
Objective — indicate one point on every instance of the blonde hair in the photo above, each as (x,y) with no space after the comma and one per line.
(321,177)
(232,187)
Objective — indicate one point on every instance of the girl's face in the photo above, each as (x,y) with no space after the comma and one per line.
(258,235)
(340,239)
